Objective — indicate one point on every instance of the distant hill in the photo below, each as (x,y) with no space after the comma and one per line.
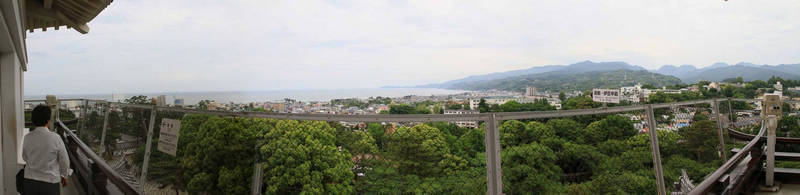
(568,81)
(589,66)
(497,75)
(555,76)
(580,67)
(788,68)
(678,71)
(748,73)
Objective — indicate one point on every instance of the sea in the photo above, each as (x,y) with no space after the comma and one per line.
(191,98)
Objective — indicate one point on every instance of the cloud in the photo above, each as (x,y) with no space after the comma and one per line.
(183,45)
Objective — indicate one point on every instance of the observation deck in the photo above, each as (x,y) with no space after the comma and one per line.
(111,166)
(745,171)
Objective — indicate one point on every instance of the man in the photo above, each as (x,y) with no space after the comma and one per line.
(45,156)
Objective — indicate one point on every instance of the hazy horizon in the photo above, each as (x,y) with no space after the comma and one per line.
(190,46)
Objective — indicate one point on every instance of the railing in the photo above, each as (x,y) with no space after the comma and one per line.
(92,171)
(722,181)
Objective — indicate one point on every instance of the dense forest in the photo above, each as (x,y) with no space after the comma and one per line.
(580,155)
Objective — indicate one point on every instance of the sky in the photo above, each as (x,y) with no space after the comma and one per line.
(257,45)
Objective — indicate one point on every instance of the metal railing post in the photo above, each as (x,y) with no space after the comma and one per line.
(730,112)
(494,177)
(105,127)
(772,125)
(651,122)
(143,177)
(720,134)
(255,188)
(84,116)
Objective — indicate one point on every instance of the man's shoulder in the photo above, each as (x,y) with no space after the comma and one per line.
(44,133)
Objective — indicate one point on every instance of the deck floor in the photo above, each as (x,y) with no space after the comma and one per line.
(785,189)
(71,188)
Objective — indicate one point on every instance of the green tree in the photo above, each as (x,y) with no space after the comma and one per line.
(302,158)
(378,133)
(789,126)
(567,128)
(699,117)
(219,155)
(483,107)
(701,140)
(418,150)
(530,168)
(576,158)
(612,127)
(580,102)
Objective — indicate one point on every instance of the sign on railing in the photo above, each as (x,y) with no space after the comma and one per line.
(168,137)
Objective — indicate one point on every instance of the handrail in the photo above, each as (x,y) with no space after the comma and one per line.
(113,176)
(712,179)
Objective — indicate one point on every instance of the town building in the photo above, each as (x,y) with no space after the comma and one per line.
(466,124)
(530,91)
(161,100)
(178,102)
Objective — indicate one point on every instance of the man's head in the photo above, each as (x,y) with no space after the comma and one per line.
(41,115)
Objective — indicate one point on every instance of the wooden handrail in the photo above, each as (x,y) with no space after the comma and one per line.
(707,184)
(112,175)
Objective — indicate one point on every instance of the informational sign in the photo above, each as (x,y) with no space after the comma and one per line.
(606,95)
(168,137)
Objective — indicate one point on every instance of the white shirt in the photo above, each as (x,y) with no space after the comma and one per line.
(45,156)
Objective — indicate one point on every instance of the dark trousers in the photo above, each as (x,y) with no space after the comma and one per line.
(39,187)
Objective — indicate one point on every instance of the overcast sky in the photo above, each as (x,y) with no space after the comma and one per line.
(212,45)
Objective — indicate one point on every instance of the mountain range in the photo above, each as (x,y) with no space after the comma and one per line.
(611,74)
(722,71)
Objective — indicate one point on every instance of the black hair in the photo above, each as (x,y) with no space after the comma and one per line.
(40,115)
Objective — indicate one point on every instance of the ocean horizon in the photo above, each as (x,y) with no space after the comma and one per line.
(190,98)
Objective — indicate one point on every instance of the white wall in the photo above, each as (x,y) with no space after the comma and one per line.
(12,65)
(11,101)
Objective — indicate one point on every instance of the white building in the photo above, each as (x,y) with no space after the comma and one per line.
(467,124)
(161,100)
(530,91)
(117,97)
(778,86)
(473,104)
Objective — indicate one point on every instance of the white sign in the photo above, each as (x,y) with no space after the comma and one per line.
(168,137)
(605,95)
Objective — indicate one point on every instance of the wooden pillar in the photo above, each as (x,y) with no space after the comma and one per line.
(99,178)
